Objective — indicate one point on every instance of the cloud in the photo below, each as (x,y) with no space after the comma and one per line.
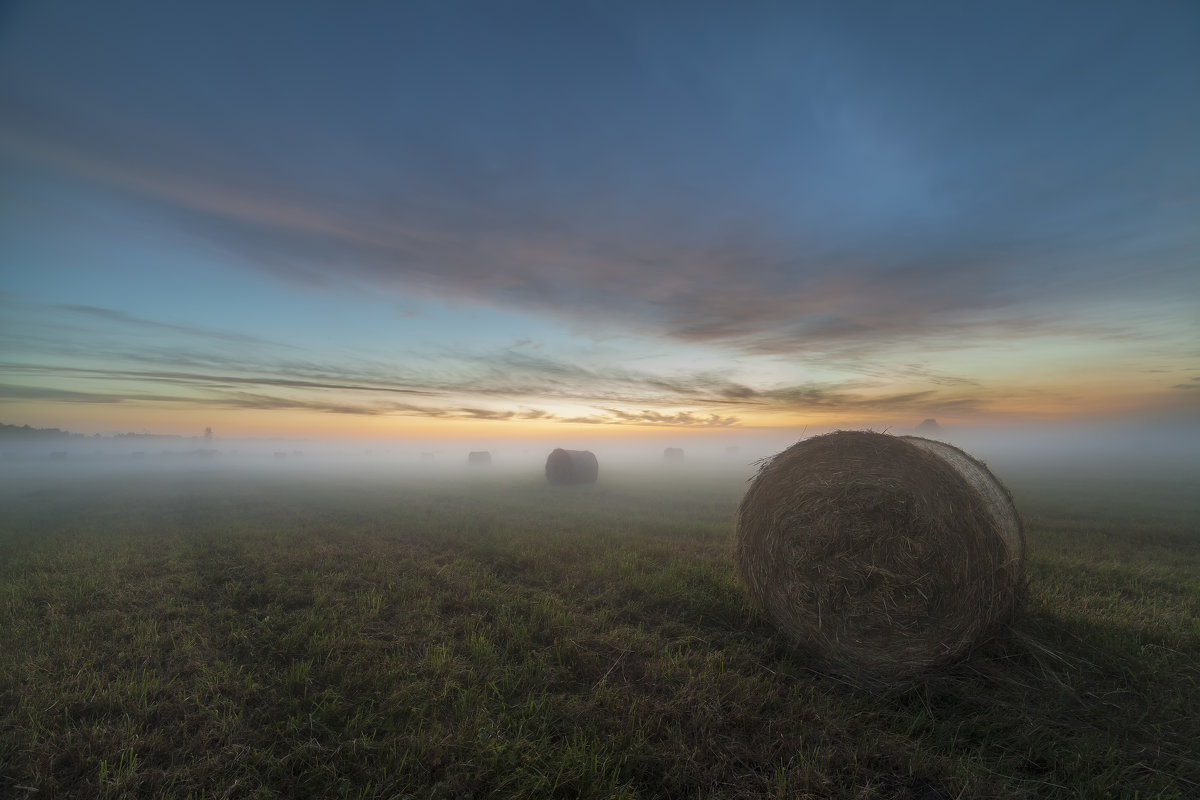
(514,383)
(619,398)
(849,398)
(682,419)
(210,381)
(786,193)
(747,284)
(264,402)
(113,315)
(260,401)
(20,392)
(483,413)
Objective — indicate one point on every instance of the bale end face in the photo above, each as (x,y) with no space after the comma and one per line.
(879,555)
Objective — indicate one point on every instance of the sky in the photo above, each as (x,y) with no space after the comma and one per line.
(495,219)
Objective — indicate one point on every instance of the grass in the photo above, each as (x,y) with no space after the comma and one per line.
(213,634)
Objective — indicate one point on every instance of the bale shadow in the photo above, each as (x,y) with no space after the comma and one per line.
(1108,697)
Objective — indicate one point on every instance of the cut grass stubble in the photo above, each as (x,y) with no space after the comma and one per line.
(358,638)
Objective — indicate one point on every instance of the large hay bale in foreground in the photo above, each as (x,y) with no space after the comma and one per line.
(572,466)
(882,556)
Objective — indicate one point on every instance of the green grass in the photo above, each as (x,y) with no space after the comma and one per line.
(213,634)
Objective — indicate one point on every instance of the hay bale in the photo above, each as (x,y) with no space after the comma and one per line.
(479,458)
(673,454)
(572,466)
(929,427)
(882,556)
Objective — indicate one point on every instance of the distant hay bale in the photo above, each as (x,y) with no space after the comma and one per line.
(882,556)
(479,458)
(929,427)
(673,454)
(572,466)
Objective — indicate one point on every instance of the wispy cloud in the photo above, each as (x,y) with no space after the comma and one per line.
(514,383)
(503,385)
(20,392)
(682,419)
(112,315)
(747,289)
(617,399)
(208,381)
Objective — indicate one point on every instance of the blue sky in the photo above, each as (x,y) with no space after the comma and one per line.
(399,218)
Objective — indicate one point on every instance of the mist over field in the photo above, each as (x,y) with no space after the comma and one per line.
(1136,452)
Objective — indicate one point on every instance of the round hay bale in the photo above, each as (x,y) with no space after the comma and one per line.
(673,454)
(571,466)
(479,458)
(882,556)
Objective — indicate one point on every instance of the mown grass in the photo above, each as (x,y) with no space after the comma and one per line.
(214,634)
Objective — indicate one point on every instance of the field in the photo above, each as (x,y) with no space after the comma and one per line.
(213,633)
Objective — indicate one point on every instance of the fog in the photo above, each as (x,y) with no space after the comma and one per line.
(70,459)
(1136,452)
